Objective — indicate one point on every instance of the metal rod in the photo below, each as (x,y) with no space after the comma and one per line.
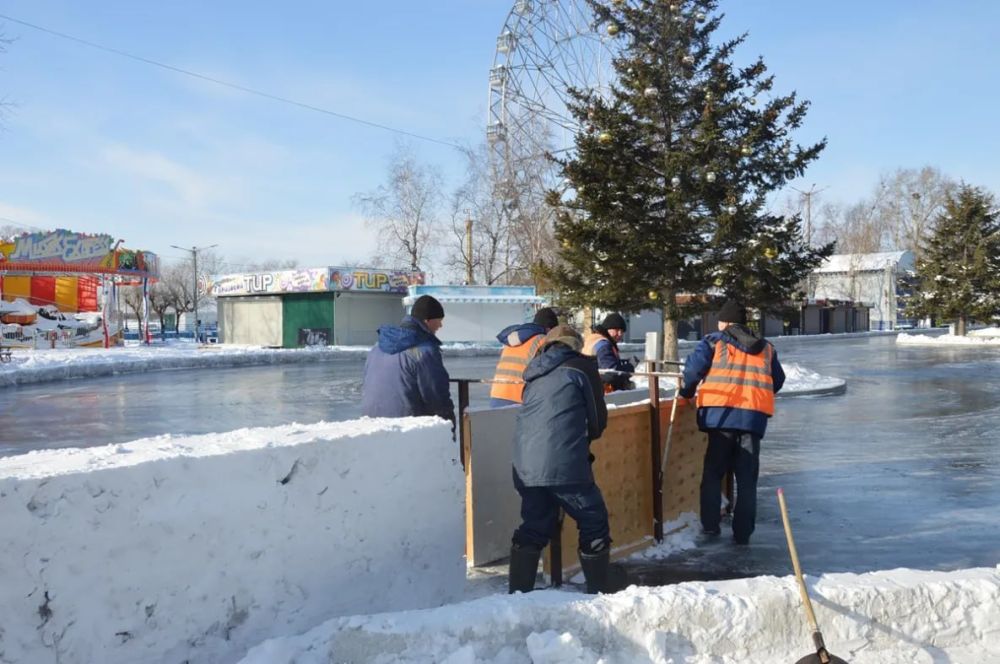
(654,446)
(463,405)
(555,553)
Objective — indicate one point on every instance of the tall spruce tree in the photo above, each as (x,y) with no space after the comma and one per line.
(959,269)
(666,190)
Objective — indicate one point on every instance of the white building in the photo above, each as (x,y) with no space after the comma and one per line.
(872,279)
(476,314)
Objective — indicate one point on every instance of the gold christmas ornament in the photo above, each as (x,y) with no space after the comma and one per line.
(700,16)
(753,101)
(653,295)
(746,151)
(710,176)
(771,253)
(613,30)
(567,244)
(604,138)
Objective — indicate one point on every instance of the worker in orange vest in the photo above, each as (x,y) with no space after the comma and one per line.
(739,374)
(602,343)
(520,345)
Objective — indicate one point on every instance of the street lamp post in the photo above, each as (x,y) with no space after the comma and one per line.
(194,259)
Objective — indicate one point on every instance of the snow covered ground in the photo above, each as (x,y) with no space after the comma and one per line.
(37,366)
(195,548)
(892,617)
(989,336)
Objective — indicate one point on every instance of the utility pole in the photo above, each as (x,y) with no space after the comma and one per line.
(194,259)
(808,196)
(468,249)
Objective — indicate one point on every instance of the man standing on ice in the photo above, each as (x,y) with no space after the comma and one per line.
(739,375)
(404,372)
(562,414)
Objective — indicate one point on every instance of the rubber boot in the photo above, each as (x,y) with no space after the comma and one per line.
(523,568)
(601,575)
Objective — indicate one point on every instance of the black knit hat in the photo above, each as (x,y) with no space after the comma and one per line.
(546,318)
(614,321)
(427,308)
(732,312)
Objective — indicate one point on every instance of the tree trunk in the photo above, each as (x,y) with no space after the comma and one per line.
(670,318)
(960,327)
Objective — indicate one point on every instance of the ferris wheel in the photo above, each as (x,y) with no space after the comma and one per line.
(544,48)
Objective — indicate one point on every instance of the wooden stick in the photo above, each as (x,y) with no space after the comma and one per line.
(795,562)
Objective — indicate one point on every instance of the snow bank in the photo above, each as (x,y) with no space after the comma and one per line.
(172,549)
(986,332)
(800,382)
(978,340)
(37,366)
(896,617)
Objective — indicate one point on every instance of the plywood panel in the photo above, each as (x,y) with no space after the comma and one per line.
(626,479)
(493,507)
(623,470)
(682,479)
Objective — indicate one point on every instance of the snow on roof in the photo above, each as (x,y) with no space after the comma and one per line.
(866,262)
(18,306)
(476,294)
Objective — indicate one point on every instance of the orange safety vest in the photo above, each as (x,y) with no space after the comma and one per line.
(590,343)
(739,380)
(509,376)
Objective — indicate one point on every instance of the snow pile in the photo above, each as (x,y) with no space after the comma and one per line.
(896,617)
(37,366)
(990,332)
(175,549)
(978,340)
(800,382)
(679,535)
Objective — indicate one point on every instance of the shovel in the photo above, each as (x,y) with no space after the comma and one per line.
(821,655)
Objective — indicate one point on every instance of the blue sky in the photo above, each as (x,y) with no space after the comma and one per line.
(100,143)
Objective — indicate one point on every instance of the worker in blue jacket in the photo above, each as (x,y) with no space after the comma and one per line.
(404,373)
(737,375)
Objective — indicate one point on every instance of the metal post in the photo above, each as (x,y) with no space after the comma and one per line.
(555,553)
(654,447)
(463,405)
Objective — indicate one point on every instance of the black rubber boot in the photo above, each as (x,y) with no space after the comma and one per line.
(602,576)
(523,568)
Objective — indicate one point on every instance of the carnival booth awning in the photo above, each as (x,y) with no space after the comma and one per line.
(66,252)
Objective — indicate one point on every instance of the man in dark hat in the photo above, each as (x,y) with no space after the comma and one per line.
(602,343)
(404,372)
(563,413)
(739,374)
(520,345)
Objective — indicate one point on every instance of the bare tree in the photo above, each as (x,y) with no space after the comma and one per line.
(179,282)
(160,302)
(132,296)
(475,201)
(404,211)
(246,265)
(910,199)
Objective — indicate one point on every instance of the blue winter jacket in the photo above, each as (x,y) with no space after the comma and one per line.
(516,335)
(700,361)
(405,375)
(524,332)
(563,411)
